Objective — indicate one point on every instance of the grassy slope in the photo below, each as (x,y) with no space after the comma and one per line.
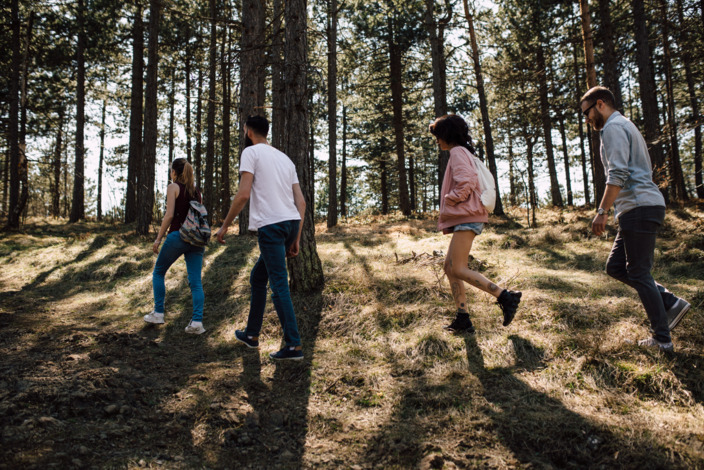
(83,382)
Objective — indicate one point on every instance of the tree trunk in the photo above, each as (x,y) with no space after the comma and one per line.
(56,166)
(686,56)
(225,195)
(541,71)
(395,73)
(610,56)
(199,130)
(172,114)
(306,271)
(13,220)
(251,74)
(343,171)
(187,72)
(384,186)
(565,154)
(532,199)
(145,189)
(208,195)
(648,95)
(580,122)
(332,113)
(598,176)
(676,177)
(101,157)
(498,210)
(513,196)
(436,33)
(278,87)
(78,202)
(412,182)
(134,158)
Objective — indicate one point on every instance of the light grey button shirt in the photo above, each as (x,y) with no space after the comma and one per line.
(624,154)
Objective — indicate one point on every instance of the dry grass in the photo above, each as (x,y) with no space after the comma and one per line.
(382,386)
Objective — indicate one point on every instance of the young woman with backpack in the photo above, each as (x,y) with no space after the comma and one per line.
(463,215)
(179,194)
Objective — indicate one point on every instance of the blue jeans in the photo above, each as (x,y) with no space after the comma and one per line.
(631,260)
(172,248)
(270,268)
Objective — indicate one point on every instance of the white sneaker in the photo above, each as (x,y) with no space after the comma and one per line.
(653,343)
(154,317)
(195,328)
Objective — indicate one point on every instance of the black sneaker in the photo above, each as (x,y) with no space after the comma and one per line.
(508,301)
(461,324)
(677,312)
(242,337)
(287,354)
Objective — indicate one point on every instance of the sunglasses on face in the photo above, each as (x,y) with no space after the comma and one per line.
(586,111)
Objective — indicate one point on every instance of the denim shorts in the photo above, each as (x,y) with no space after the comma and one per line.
(476,227)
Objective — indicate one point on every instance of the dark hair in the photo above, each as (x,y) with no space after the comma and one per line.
(454,130)
(184,174)
(258,124)
(599,93)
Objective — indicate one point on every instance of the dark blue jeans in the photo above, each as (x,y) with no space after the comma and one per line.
(631,260)
(270,268)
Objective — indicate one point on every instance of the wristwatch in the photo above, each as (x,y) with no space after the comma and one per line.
(600,211)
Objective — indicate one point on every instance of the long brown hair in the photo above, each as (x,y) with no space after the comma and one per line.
(184,175)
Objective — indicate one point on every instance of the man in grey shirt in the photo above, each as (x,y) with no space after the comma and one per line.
(639,208)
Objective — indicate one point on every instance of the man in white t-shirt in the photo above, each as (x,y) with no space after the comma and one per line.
(276,211)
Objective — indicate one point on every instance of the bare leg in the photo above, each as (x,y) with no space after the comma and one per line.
(457,270)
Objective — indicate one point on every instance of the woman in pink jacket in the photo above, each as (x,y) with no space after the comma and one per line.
(463,215)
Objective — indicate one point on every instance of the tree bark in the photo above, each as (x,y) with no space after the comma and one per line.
(101,157)
(678,190)
(610,56)
(395,73)
(13,221)
(251,74)
(56,166)
(566,156)
(172,115)
(436,34)
(226,107)
(78,202)
(599,177)
(145,189)
(384,175)
(278,87)
(580,127)
(208,195)
(306,271)
(332,113)
(648,95)
(686,56)
(187,72)
(484,108)
(343,170)
(541,71)
(134,158)
(198,157)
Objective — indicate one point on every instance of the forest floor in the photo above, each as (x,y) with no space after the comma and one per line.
(84,382)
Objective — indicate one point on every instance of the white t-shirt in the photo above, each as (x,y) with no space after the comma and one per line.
(271,200)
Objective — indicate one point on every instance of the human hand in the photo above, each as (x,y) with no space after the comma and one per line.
(292,251)
(155,246)
(599,224)
(221,234)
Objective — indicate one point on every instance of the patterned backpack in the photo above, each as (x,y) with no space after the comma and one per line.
(195,229)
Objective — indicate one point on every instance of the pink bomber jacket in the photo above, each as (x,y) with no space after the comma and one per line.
(460,198)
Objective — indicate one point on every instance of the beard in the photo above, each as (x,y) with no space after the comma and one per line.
(599,121)
(247,141)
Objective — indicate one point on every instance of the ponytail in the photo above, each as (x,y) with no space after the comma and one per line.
(184,175)
(454,130)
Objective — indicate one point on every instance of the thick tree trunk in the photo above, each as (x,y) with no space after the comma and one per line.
(56,166)
(678,190)
(395,73)
(226,107)
(187,71)
(436,34)
(598,175)
(484,108)
(610,56)
(13,221)
(198,157)
(78,202)
(278,87)
(306,271)
(101,158)
(134,159)
(332,113)
(145,190)
(251,74)
(343,170)
(686,57)
(208,196)
(648,95)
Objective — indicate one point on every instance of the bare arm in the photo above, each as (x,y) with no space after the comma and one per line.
(171,195)
(300,203)
(238,203)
